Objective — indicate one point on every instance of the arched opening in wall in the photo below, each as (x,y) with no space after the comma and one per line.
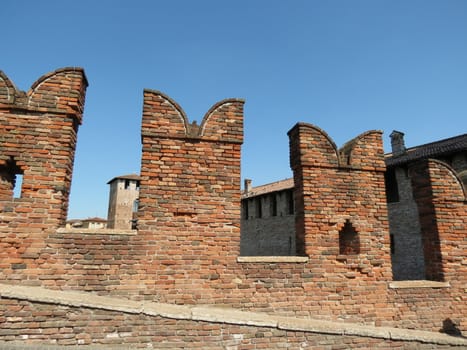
(349,240)
(11,180)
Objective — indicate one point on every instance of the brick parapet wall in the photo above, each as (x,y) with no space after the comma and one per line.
(435,306)
(54,325)
(37,315)
(332,190)
(186,247)
(111,264)
(59,92)
(189,199)
(442,207)
(38,131)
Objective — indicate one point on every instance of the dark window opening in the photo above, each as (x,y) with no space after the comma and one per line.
(11,180)
(259,208)
(245,209)
(137,185)
(273,205)
(349,241)
(392,190)
(127,184)
(406,172)
(393,248)
(290,203)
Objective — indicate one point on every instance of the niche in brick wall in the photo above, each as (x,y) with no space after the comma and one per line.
(11,177)
(349,241)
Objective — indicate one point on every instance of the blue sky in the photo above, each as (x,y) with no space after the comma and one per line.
(346,66)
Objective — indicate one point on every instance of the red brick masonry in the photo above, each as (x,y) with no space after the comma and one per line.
(186,248)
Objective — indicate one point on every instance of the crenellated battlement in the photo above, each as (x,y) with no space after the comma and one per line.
(38,132)
(340,198)
(186,248)
(60,91)
(364,151)
(190,178)
(163,117)
(318,149)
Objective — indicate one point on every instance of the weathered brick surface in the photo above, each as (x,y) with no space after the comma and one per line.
(186,247)
(189,218)
(333,187)
(36,323)
(37,139)
(434,306)
(442,205)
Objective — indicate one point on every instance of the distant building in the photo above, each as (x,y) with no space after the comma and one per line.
(89,223)
(407,251)
(268,219)
(123,202)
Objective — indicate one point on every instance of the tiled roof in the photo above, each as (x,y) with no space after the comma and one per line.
(126,177)
(434,149)
(269,188)
(95,219)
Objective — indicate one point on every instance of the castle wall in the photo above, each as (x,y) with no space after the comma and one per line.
(189,216)
(340,190)
(408,260)
(272,231)
(441,203)
(108,324)
(407,257)
(37,141)
(186,250)
(440,198)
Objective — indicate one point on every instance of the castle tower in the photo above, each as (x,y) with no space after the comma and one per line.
(123,202)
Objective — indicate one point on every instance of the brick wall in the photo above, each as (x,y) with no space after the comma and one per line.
(338,188)
(188,240)
(435,306)
(408,261)
(441,202)
(35,317)
(37,140)
(189,216)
